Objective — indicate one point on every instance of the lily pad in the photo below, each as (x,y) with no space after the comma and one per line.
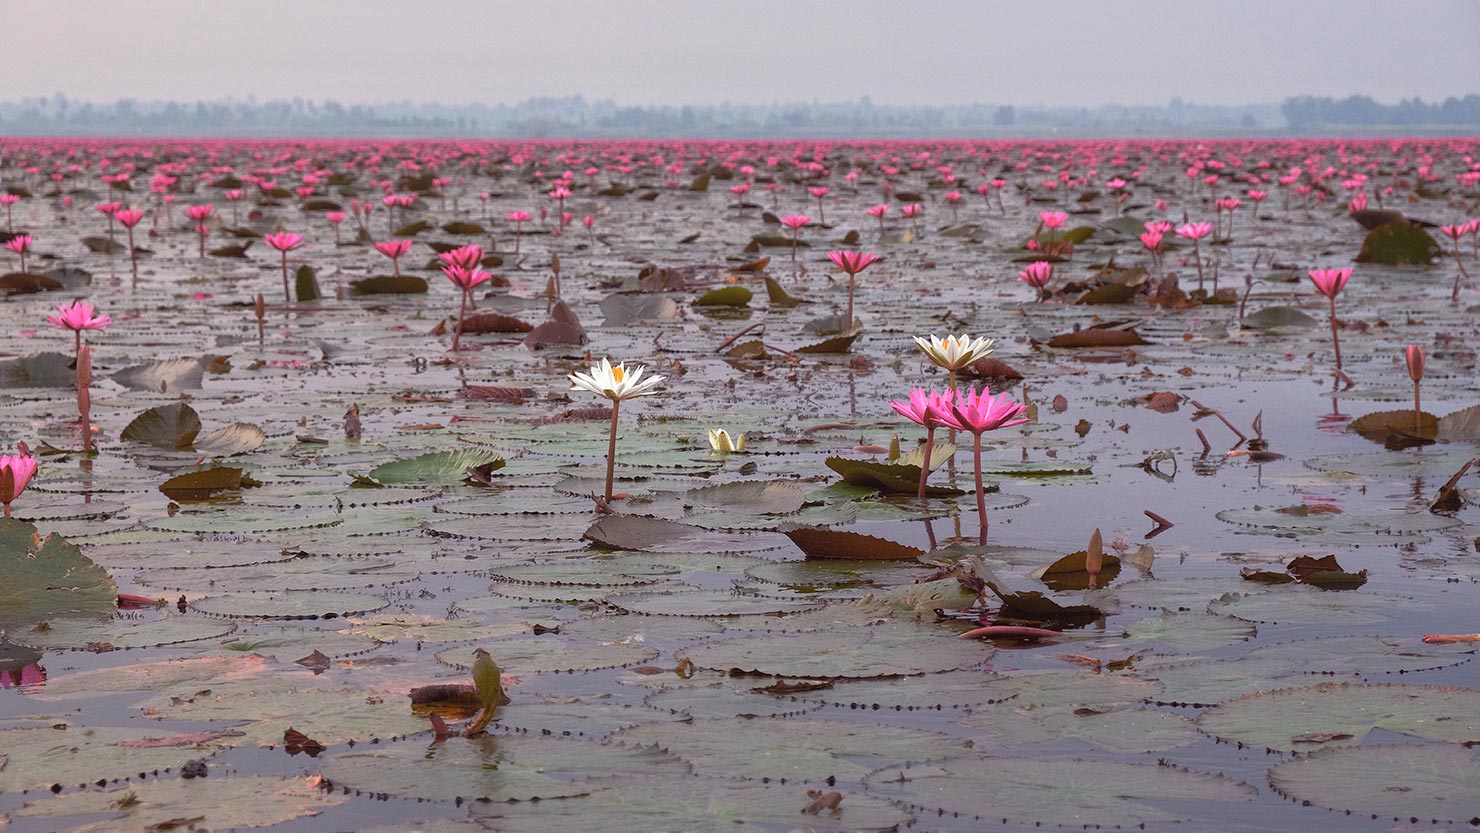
(47,580)
(1436,782)
(75,756)
(794,749)
(167,426)
(444,467)
(1341,714)
(220,803)
(643,805)
(882,651)
(547,654)
(1069,793)
(495,768)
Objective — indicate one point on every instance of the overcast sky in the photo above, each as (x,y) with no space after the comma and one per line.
(1064,52)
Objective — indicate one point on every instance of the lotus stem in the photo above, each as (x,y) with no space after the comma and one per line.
(981,495)
(1335,341)
(925,464)
(611,450)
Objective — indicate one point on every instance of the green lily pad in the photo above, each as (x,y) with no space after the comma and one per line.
(444,467)
(220,803)
(167,426)
(47,580)
(1398,243)
(1191,631)
(262,712)
(547,654)
(796,749)
(291,604)
(729,296)
(694,805)
(75,756)
(1294,604)
(1126,729)
(882,651)
(705,603)
(495,768)
(1436,782)
(121,634)
(1341,714)
(1068,793)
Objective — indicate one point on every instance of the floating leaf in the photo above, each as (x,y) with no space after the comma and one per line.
(1098,337)
(886,477)
(799,749)
(444,467)
(1344,713)
(729,296)
(231,440)
(48,579)
(76,756)
(1077,793)
(882,651)
(167,426)
(1440,783)
(388,285)
(1398,243)
(163,376)
(202,484)
(495,769)
(164,804)
(821,542)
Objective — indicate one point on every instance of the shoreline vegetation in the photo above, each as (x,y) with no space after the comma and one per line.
(573,117)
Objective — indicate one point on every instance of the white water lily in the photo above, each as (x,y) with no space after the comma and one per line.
(615,383)
(720,441)
(954,352)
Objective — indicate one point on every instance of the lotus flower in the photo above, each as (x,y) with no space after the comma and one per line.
(16,471)
(617,384)
(852,263)
(954,352)
(980,413)
(1037,275)
(394,249)
(284,242)
(21,245)
(932,410)
(721,442)
(1330,282)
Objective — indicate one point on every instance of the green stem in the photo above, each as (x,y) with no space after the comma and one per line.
(925,464)
(611,450)
(981,495)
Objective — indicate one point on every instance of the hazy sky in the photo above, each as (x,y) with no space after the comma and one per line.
(1063,52)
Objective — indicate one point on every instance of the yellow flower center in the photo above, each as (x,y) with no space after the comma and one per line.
(617,374)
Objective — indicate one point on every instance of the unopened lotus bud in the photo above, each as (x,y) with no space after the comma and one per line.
(1094,555)
(1414,356)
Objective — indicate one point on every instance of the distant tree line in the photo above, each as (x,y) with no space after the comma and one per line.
(574,116)
(1306,112)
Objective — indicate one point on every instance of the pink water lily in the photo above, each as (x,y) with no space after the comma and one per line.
(1330,282)
(1037,275)
(979,413)
(1196,232)
(1414,357)
(16,471)
(284,242)
(79,315)
(394,249)
(931,410)
(852,263)
(21,245)
(795,222)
